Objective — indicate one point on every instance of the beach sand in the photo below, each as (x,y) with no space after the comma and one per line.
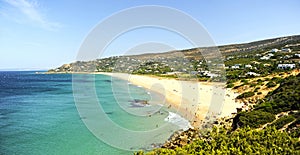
(196,101)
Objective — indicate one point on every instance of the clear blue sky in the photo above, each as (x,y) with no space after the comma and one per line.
(45,34)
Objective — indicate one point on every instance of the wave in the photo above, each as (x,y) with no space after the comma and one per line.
(176,119)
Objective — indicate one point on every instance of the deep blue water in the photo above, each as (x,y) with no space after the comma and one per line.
(38,115)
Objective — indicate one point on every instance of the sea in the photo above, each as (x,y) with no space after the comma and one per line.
(81,114)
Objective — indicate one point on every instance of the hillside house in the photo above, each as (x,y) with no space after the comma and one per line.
(274,50)
(265,57)
(236,66)
(252,74)
(286,66)
(286,50)
(209,74)
(248,66)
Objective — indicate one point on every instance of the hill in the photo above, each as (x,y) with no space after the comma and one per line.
(180,60)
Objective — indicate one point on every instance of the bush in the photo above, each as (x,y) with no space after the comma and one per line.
(283,121)
(253,84)
(245,95)
(277,79)
(230,85)
(244,81)
(294,130)
(254,119)
(287,96)
(236,87)
(259,81)
(271,84)
(241,141)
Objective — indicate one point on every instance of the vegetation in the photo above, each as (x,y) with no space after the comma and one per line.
(284,99)
(271,84)
(294,129)
(283,121)
(254,119)
(230,85)
(241,141)
(245,95)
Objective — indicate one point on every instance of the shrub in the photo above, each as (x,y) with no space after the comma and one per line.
(277,79)
(236,87)
(253,84)
(245,95)
(271,84)
(230,85)
(283,121)
(244,81)
(259,81)
(241,141)
(256,89)
(255,119)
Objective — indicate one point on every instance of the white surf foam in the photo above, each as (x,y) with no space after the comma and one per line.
(176,119)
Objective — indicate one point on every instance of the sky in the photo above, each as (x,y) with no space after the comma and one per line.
(43,34)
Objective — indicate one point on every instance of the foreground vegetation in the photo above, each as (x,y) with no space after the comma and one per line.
(241,141)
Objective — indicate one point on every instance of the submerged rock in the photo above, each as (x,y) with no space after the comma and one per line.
(109,81)
(108,113)
(138,103)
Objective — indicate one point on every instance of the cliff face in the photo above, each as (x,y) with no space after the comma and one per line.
(129,63)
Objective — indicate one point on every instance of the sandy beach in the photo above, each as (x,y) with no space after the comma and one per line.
(196,101)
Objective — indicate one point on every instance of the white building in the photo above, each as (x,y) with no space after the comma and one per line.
(286,50)
(252,74)
(236,66)
(211,75)
(174,73)
(274,50)
(286,66)
(265,58)
(248,66)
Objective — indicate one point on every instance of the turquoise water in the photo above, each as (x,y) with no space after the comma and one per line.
(38,115)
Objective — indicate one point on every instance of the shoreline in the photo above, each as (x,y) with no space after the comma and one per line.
(195,101)
(198,102)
